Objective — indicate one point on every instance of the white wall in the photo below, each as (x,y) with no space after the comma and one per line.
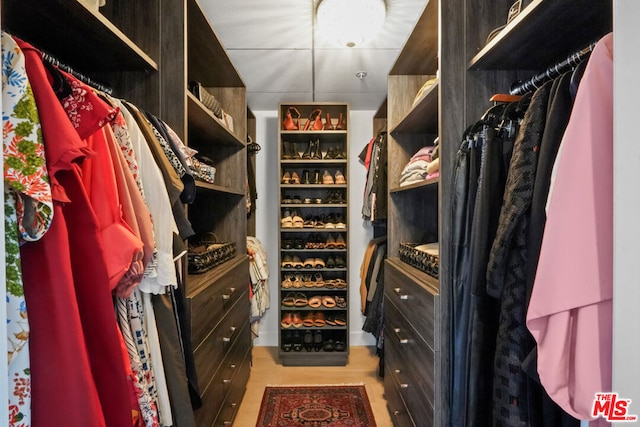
(267,219)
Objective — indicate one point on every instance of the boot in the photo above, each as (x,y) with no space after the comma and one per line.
(286,150)
(309,151)
(341,125)
(317,154)
(305,177)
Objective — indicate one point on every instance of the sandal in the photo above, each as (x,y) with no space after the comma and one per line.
(315,301)
(287,262)
(340,284)
(300,300)
(340,320)
(331,320)
(289,300)
(309,263)
(319,280)
(297,282)
(341,302)
(309,320)
(297,221)
(286,321)
(319,320)
(319,263)
(296,262)
(287,282)
(286,221)
(328,301)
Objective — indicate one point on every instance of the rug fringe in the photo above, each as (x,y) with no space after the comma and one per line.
(316,385)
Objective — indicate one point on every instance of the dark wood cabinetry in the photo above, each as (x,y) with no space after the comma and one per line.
(148,52)
(470,71)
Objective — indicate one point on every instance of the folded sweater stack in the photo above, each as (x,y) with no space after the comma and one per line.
(423,165)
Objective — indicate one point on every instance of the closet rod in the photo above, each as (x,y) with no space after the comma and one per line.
(519,87)
(56,63)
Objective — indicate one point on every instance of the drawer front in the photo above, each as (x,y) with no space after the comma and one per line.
(411,361)
(398,411)
(224,379)
(209,304)
(210,353)
(236,393)
(417,303)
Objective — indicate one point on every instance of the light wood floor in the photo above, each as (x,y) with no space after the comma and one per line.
(267,370)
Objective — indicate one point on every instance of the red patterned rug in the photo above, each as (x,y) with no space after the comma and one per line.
(316,406)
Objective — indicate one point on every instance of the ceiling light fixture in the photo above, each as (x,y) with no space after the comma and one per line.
(350,22)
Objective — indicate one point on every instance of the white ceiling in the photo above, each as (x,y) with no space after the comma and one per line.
(273,45)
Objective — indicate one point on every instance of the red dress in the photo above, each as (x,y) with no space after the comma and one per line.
(78,374)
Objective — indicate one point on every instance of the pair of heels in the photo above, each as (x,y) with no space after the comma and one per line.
(289,151)
(314,122)
(291,178)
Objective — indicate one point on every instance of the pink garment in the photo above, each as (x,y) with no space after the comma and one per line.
(570,312)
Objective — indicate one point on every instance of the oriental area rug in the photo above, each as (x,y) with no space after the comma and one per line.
(315,406)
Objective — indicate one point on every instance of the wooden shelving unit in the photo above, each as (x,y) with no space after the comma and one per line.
(293,338)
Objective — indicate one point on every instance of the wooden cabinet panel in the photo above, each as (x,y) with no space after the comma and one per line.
(397,409)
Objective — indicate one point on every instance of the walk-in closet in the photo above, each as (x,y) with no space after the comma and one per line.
(405,213)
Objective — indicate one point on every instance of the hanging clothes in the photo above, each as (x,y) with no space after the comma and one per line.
(570,311)
(259,273)
(374,205)
(69,293)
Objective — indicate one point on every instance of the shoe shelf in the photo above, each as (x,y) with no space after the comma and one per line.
(218,188)
(309,169)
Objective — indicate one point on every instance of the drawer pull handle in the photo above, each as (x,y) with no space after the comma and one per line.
(233,405)
(400,339)
(400,294)
(228,339)
(404,385)
(396,413)
(397,371)
(227,297)
(226,423)
(226,382)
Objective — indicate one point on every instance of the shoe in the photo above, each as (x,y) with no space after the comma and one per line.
(309,151)
(309,263)
(287,200)
(286,178)
(295,178)
(287,337)
(308,222)
(308,321)
(297,221)
(328,223)
(341,302)
(287,320)
(328,301)
(328,125)
(330,319)
(319,280)
(314,122)
(287,150)
(316,177)
(297,281)
(340,262)
(329,154)
(330,243)
(290,122)
(289,300)
(296,200)
(286,221)
(319,263)
(287,283)
(315,301)
(317,341)
(296,262)
(319,320)
(307,200)
(340,320)
(339,154)
(328,345)
(341,124)
(330,263)
(317,153)
(340,242)
(318,201)
(287,244)
(308,338)
(340,178)
(319,220)
(340,223)
(297,340)
(297,244)
(305,177)
(327,178)
(340,346)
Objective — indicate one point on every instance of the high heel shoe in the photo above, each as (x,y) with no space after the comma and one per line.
(295,178)
(328,125)
(341,125)
(289,123)
(315,121)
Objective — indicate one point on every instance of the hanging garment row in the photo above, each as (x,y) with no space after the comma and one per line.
(520,259)
(374,158)
(85,175)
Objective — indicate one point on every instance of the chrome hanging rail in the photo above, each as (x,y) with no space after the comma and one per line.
(519,87)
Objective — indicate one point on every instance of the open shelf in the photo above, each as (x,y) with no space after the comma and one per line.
(218,188)
(50,25)
(203,125)
(423,116)
(418,276)
(530,41)
(429,183)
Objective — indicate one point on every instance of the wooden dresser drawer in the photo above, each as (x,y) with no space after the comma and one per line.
(208,304)
(210,353)
(411,363)
(236,392)
(395,405)
(418,303)
(229,374)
